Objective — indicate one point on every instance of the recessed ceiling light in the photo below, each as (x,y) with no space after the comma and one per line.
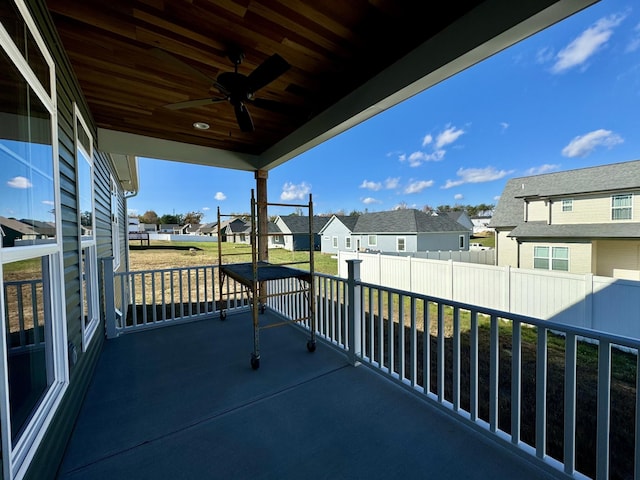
(201,126)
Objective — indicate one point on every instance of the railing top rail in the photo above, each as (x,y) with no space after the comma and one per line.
(549,325)
(163,270)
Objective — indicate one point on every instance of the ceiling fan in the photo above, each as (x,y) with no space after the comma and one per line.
(236,88)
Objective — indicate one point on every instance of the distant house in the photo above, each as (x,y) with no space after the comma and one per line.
(295,232)
(459,216)
(42,229)
(209,229)
(14,232)
(401,231)
(235,230)
(580,221)
(481,224)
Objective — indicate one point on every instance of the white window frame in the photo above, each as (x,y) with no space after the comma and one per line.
(88,256)
(372,240)
(16,458)
(567,204)
(347,242)
(404,244)
(334,241)
(550,257)
(620,208)
(461,242)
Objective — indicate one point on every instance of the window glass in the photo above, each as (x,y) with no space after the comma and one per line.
(335,242)
(461,241)
(347,242)
(560,260)
(373,240)
(621,207)
(27,199)
(567,205)
(541,257)
(400,244)
(27,324)
(18,31)
(85,195)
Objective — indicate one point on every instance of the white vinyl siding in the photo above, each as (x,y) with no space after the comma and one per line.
(589,209)
(537,211)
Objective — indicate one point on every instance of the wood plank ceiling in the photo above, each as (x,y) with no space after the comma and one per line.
(134,57)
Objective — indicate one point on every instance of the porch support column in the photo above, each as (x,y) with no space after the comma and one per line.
(261,197)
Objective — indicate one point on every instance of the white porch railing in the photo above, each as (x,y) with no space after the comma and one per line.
(563,396)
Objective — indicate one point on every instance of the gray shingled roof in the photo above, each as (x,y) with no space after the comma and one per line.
(591,230)
(405,221)
(17,226)
(616,176)
(300,223)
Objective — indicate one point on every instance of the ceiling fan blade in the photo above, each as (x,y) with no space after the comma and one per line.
(193,103)
(243,117)
(185,67)
(267,71)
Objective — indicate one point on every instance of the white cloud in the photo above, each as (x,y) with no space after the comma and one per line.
(581,146)
(220,196)
(496,198)
(205,209)
(586,44)
(418,158)
(448,136)
(418,186)
(48,202)
(19,182)
(291,191)
(544,55)
(547,167)
(375,186)
(427,140)
(634,43)
(370,200)
(391,183)
(476,175)
(458,196)
(504,126)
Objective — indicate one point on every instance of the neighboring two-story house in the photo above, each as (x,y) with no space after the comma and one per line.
(580,221)
(401,231)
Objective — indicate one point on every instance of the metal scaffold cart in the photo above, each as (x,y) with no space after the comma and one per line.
(255,277)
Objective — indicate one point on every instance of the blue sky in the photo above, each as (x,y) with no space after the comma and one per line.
(566,98)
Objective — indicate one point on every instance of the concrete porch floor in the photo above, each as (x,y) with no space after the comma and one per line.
(182,402)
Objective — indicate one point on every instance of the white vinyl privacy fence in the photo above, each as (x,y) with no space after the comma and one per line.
(598,303)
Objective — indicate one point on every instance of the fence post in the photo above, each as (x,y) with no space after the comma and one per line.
(109,297)
(354,312)
(506,289)
(588,300)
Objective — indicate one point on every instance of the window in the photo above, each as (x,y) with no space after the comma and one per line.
(88,255)
(567,205)
(32,312)
(621,207)
(347,242)
(401,244)
(461,242)
(334,242)
(559,259)
(373,240)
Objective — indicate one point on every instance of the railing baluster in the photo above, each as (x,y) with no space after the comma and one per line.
(516,391)
(636,456)
(413,354)
(426,347)
(541,393)
(391,332)
(34,308)
(154,309)
(456,358)
(401,349)
(134,302)
(570,404)
(604,409)
(440,361)
(493,375)
(473,367)
(381,348)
